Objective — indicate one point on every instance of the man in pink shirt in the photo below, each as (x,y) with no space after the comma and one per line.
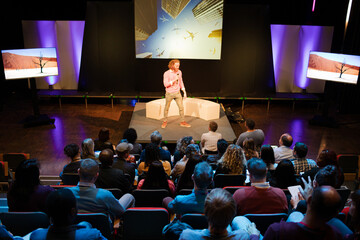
(173,82)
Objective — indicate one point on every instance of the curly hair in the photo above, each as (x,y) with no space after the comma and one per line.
(234,159)
(185,141)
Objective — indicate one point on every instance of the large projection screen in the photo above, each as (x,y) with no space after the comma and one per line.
(178,29)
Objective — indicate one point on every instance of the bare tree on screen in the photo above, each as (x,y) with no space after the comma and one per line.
(41,62)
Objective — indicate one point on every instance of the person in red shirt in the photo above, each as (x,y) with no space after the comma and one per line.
(173,82)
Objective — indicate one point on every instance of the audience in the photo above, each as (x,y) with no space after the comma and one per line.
(301,164)
(284,175)
(87,149)
(256,134)
(73,152)
(232,162)
(91,199)
(185,180)
(26,194)
(222,145)
(62,210)
(156,138)
(110,177)
(191,149)
(103,141)
(260,197)
(181,147)
(156,178)
(249,149)
(284,151)
(131,136)
(267,155)
(209,139)
(152,153)
(122,153)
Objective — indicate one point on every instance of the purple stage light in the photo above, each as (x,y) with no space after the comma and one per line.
(277,39)
(77,35)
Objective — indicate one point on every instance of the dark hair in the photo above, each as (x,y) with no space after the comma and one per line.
(355,218)
(220,209)
(59,205)
(152,153)
(26,179)
(267,154)
(185,141)
(104,135)
(106,158)
(257,168)
(287,139)
(328,175)
(156,177)
(250,123)
(249,148)
(325,202)
(88,169)
(301,149)
(191,150)
(185,180)
(222,145)
(327,157)
(71,150)
(284,175)
(131,135)
(213,126)
(203,175)
(156,137)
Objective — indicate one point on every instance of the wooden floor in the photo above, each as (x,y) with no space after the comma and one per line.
(73,123)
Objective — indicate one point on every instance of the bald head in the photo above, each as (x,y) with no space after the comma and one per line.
(286,140)
(324,202)
(106,158)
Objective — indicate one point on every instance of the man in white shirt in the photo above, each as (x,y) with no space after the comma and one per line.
(209,139)
(284,151)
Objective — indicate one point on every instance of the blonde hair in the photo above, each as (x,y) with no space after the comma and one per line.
(172,62)
(234,159)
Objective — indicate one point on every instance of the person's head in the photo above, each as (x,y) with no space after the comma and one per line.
(104,134)
(61,207)
(354,210)
(213,126)
(71,150)
(249,144)
(222,145)
(106,158)
(87,148)
(191,150)
(27,173)
(156,177)
(257,170)
(89,170)
(123,149)
(234,159)
(324,203)
(131,135)
(174,64)
(156,137)
(286,140)
(250,124)
(220,209)
(203,175)
(300,150)
(326,157)
(185,141)
(328,175)
(152,153)
(186,179)
(267,154)
(285,174)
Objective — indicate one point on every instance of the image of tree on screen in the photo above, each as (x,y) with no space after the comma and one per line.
(40,62)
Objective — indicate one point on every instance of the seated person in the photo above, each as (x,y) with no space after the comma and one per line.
(122,153)
(185,180)
(284,151)
(220,210)
(156,178)
(103,141)
(130,135)
(209,139)
(249,149)
(73,152)
(260,197)
(301,164)
(87,149)
(222,145)
(284,175)
(152,154)
(91,199)
(232,162)
(191,150)
(26,194)
(62,210)
(156,138)
(181,146)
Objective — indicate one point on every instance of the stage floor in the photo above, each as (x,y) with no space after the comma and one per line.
(145,126)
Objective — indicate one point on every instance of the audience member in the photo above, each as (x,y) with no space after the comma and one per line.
(301,164)
(249,149)
(191,149)
(73,152)
(232,162)
(267,155)
(26,194)
(91,199)
(181,147)
(122,152)
(354,215)
(284,151)
(156,138)
(87,149)
(185,180)
(131,135)
(103,141)
(156,178)
(322,205)
(284,175)
(220,210)
(209,139)
(260,197)
(222,145)
(256,134)
(152,153)
(62,209)
(110,177)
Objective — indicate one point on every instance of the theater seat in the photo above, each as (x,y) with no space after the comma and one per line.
(195,220)
(100,221)
(149,197)
(263,221)
(223,180)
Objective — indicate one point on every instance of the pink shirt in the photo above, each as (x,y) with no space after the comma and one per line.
(170,75)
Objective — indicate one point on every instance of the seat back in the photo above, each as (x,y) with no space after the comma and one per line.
(195,220)
(14,159)
(70,178)
(22,223)
(349,164)
(184,192)
(223,180)
(116,192)
(144,223)
(263,221)
(149,197)
(232,189)
(344,194)
(100,221)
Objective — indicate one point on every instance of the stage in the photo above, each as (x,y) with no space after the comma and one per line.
(145,126)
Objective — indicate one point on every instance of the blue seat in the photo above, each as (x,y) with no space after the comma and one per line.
(100,221)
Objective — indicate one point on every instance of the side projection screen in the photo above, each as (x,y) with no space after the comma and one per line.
(334,67)
(190,29)
(28,63)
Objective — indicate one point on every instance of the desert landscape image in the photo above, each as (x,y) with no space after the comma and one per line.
(16,62)
(322,64)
